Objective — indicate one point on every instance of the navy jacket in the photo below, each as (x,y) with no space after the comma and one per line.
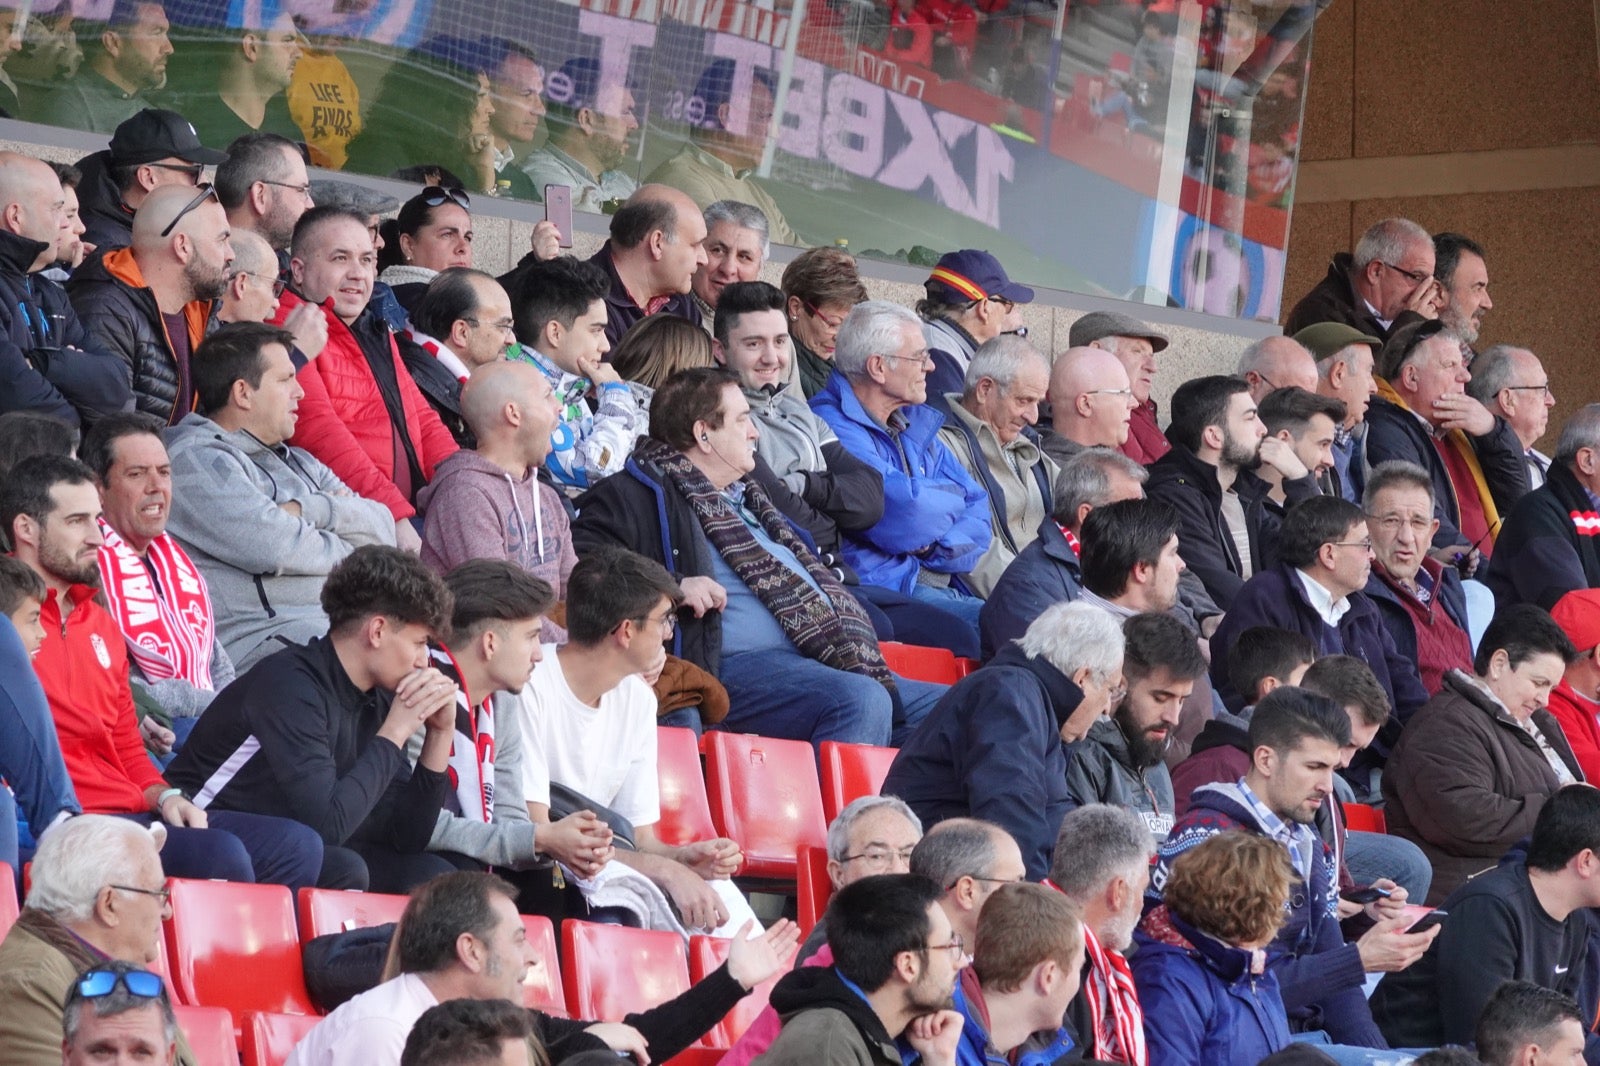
(1044,573)
(1547,546)
(991,749)
(1189,483)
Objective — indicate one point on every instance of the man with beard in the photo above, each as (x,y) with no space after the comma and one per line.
(897,960)
(1228,524)
(1463,275)
(127,59)
(1295,739)
(249,94)
(263,187)
(1309,423)
(1120,760)
(148,304)
(589,124)
(1513,385)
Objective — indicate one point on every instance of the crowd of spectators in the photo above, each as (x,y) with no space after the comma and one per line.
(336,561)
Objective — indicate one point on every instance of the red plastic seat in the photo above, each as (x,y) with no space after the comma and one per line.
(236,946)
(541,988)
(209,1031)
(706,953)
(813,887)
(8,898)
(967,666)
(850,771)
(329,910)
(613,971)
(685,811)
(765,794)
(268,1038)
(937,665)
(698,1056)
(1360,818)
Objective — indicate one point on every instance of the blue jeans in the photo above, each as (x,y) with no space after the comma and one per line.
(30,754)
(1345,1055)
(952,601)
(784,694)
(914,621)
(243,847)
(1369,856)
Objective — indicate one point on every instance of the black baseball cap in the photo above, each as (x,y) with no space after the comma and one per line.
(155,134)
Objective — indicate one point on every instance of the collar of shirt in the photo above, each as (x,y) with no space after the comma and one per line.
(503,159)
(1373,311)
(1292,835)
(1322,600)
(706,159)
(1342,438)
(1116,609)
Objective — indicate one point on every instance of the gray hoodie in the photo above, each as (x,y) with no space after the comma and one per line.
(264,565)
(792,435)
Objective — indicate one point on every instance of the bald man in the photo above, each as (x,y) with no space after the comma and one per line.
(1091,403)
(46,363)
(1277,363)
(149,303)
(252,296)
(657,243)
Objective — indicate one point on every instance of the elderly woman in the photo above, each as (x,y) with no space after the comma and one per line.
(1476,764)
(821,286)
(1201,966)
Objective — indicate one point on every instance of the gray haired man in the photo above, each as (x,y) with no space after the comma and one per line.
(737,245)
(116,1012)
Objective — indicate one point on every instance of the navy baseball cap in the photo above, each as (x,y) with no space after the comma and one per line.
(970,275)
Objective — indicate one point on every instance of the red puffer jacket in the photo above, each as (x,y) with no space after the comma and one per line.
(344,422)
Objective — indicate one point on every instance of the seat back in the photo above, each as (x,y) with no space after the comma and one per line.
(685,811)
(613,971)
(209,1031)
(850,771)
(813,887)
(8,898)
(1361,818)
(541,988)
(937,665)
(765,794)
(328,910)
(706,953)
(269,1038)
(236,946)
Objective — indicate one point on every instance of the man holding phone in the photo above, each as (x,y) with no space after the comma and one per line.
(1524,920)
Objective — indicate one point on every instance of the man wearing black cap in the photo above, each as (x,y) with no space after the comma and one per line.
(151,149)
(128,59)
(1136,344)
(970,300)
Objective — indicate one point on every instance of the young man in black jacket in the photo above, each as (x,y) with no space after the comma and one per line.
(318,733)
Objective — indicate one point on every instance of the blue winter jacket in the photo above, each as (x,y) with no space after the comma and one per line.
(1202,1005)
(934,514)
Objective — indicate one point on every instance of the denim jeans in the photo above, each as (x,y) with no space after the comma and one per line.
(952,601)
(785,694)
(914,621)
(1345,1055)
(1369,856)
(30,754)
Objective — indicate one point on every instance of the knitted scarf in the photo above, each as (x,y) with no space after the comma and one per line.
(472,750)
(161,605)
(830,628)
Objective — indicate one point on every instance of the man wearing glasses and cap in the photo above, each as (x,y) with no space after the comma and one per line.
(149,150)
(1346,359)
(970,300)
(1136,345)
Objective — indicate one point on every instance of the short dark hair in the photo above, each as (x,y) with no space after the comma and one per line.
(485,591)
(449,297)
(1160,642)
(1312,523)
(232,353)
(379,580)
(744,298)
(27,490)
(558,290)
(1202,402)
(873,920)
(69,176)
(1292,408)
(688,397)
(1519,1013)
(636,220)
(317,217)
(1568,823)
(1261,652)
(1349,682)
(465,1032)
(252,157)
(611,585)
(714,90)
(28,433)
(1522,631)
(1447,249)
(98,450)
(18,582)
(1119,536)
(1287,716)
(440,911)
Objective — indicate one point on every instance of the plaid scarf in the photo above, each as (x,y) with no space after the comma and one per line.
(829,627)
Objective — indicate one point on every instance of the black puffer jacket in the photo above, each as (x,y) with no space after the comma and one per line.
(120,316)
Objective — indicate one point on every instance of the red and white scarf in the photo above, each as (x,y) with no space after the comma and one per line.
(167,622)
(472,750)
(440,351)
(1118,1034)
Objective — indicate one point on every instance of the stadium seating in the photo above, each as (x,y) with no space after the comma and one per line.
(765,794)
(937,665)
(850,771)
(236,946)
(209,1031)
(1360,818)
(268,1038)
(812,887)
(541,988)
(706,953)
(613,971)
(324,910)
(685,812)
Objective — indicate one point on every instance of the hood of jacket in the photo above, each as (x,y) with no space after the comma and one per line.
(472,465)
(118,266)
(922,421)
(946,336)
(1220,733)
(1227,799)
(1165,931)
(817,987)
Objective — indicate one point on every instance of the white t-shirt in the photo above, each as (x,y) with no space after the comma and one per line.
(608,753)
(369,1030)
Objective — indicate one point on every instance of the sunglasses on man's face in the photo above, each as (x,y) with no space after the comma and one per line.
(206,190)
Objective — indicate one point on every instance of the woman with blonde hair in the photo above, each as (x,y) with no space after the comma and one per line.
(654,350)
(1201,964)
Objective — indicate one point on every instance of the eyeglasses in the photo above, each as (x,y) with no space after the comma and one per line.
(816,312)
(925,359)
(303,190)
(1364,545)
(436,195)
(1416,277)
(194,170)
(278,284)
(1545,388)
(164,894)
(97,984)
(957,947)
(668,623)
(505,325)
(880,858)
(1009,305)
(206,190)
(984,880)
(1124,393)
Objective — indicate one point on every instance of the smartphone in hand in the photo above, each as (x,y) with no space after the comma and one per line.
(558,210)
